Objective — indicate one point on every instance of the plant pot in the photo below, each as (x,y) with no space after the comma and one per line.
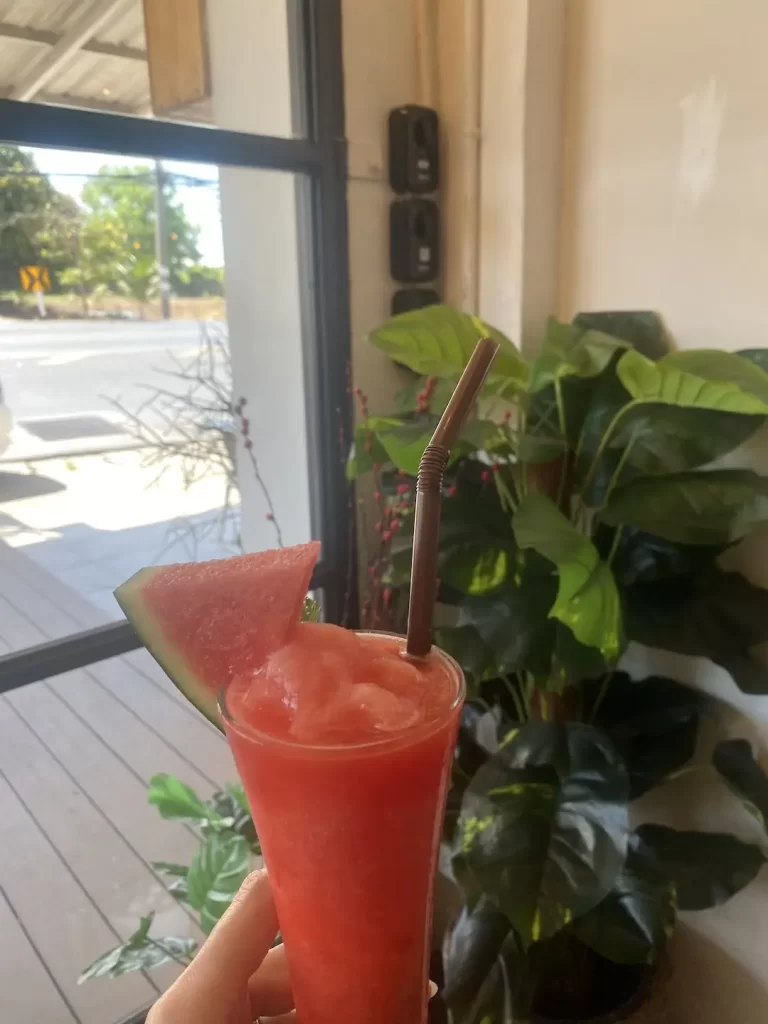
(620,993)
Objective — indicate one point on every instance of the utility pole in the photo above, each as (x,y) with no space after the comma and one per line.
(161,242)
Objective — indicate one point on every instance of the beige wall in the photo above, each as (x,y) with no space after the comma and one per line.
(665,206)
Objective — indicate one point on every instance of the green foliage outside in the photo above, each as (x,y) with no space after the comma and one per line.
(584,509)
(104,244)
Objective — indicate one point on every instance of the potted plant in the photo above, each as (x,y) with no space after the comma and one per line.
(584,510)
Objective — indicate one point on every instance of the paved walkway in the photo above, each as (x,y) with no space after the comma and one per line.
(94,520)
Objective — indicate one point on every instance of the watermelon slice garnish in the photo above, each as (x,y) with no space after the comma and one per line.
(205,622)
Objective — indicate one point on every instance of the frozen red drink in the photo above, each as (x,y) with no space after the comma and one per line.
(344,747)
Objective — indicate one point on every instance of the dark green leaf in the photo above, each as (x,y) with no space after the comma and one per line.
(758,356)
(643,557)
(587,600)
(715,507)
(217,871)
(232,806)
(514,620)
(439,340)
(717,615)
(706,868)
(736,762)
(468,648)
(179,890)
(471,952)
(174,799)
(653,723)
(635,920)
(540,449)
(571,351)
(643,330)
(543,827)
(407,399)
(140,953)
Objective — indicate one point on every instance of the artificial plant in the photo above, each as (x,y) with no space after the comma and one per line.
(584,509)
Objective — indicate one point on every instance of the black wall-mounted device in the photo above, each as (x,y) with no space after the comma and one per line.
(414,237)
(405,300)
(413,150)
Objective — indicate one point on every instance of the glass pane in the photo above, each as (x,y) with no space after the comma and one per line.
(236,64)
(129,446)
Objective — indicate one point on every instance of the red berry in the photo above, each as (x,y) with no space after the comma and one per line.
(387,596)
(248,444)
(395,525)
(269,517)
(378,527)
(496,467)
(377,495)
(371,570)
(401,472)
(403,488)
(368,447)
(485,476)
(452,490)
(387,535)
(356,391)
(376,467)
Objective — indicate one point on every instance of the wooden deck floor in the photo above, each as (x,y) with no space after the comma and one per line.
(76,833)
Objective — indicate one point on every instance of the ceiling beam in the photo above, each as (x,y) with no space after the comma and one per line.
(45,38)
(68,45)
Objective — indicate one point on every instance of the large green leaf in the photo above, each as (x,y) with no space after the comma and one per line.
(706,868)
(642,329)
(571,351)
(644,557)
(174,799)
(672,421)
(472,950)
(587,598)
(635,920)
(514,621)
(715,615)
(652,722)
(713,365)
(407,399)
(467,647)
(438,341)
(736,763)
(366,452)
(140,953)
(664,382)
(217,871)
(715,507)
(543,827)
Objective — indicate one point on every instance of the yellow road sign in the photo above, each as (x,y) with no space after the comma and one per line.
(35,279)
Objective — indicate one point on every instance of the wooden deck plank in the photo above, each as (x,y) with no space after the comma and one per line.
(61,922)
(81,611)
(111,697)
(29,994)
(116,879)
(187,732)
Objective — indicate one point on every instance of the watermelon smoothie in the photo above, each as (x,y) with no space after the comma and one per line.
(344,747)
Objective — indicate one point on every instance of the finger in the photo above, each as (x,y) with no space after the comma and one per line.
(236,946)
(269,988)
(286,1018)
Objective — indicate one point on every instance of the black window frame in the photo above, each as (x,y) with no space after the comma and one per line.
(320,159)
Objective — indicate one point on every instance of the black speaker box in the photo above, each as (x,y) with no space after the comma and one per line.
(413,150)
(414,239)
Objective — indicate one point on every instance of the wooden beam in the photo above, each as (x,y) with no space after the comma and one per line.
(45,38)
(73,40)
(177,51)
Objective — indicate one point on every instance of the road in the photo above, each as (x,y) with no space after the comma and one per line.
(65,368)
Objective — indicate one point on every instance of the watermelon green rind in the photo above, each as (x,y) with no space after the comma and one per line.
(182,613)
(170,660)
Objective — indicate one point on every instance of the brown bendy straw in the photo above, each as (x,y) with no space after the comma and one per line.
(426,527)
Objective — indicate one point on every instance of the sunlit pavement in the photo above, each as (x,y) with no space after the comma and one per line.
(94,520)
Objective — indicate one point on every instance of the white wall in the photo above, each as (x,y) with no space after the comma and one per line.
(665,207)
(248,41)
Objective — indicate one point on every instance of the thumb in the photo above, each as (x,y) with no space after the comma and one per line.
(236,946)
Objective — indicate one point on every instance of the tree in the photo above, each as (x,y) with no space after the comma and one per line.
(38,224)
(117,240)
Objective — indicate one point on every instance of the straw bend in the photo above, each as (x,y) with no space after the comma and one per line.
(426,527)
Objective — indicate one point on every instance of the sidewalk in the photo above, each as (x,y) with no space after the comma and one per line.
(94,520)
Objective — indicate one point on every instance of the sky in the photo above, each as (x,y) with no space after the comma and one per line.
(201,203)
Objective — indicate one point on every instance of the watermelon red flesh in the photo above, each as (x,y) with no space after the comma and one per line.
(205,622)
